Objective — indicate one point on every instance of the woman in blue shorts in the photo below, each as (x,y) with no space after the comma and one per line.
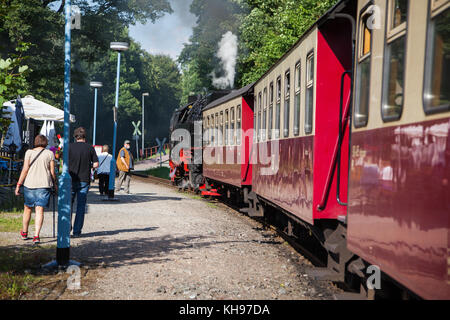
(38,177)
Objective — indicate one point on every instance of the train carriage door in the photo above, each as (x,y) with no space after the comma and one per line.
(333,61)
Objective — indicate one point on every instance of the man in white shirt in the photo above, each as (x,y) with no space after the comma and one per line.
(103,170)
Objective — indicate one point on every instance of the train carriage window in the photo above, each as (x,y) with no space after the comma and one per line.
(394,62)
(204,127)
(226,131)
(216,131)
(278,110)
(255,115)
(366,40)
(297,99)
(210,127)
(437,5)
(271,96)
(207,130)
(259,115)
(239,133)
(398,13)
(287,93)
(264,119)
(232,133)
(362,83)
(309,94)
(437,66)
(221,127)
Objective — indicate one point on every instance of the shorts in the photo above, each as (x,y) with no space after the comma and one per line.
(36,197)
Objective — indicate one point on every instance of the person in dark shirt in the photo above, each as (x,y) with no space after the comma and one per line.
(82,157)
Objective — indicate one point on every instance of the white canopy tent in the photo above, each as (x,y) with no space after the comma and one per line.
(36,110)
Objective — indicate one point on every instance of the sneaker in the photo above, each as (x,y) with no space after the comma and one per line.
(24,235)
(76,235)
(36,240)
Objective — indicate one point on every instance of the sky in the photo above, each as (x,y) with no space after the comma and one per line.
(168,34)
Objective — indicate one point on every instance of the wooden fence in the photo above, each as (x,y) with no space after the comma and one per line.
(150,152)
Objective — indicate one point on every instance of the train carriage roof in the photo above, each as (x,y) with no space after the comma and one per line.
(234,94)
(338,7)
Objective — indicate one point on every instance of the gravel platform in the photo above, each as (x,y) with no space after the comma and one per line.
(162,244)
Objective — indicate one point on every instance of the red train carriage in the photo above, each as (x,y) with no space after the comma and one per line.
(227,124)
(399,181)
(351,139)
(301,109)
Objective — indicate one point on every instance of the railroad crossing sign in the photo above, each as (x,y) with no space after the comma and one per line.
(137,132)
(161,150)
(161,146)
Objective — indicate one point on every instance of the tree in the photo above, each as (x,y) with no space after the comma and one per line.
(35,21)
(41,22)
(266,30)
(271,28)
(12,80)
(140,72)
(198,58)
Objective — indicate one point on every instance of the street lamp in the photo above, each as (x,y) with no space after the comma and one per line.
(143,120)
(95,85)
(65,181)
(119,47)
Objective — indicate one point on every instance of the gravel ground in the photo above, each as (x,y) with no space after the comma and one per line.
(162,244)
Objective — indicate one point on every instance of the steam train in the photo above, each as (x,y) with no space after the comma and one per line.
(345,138)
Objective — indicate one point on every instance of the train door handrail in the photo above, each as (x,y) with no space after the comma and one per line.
(341,136)
(343,122)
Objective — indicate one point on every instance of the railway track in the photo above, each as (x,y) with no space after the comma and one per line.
(306,251)
(309,251)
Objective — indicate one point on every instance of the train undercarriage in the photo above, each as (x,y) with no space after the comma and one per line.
(323,243)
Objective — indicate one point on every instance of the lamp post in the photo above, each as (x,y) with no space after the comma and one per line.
(143,120)
(65,181)
(119,47)
(95,85)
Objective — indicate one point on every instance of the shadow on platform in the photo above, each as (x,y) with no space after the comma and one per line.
(114,232)
(129,198)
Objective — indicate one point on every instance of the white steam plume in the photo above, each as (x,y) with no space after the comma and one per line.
(228,51)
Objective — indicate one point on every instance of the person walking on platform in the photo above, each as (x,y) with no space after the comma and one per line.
(38,177)
(125,163)
(103,170)
(82,157)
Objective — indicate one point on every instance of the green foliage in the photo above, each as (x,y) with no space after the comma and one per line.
(266,30)
(41,22)
(140,72)
(11,222)
(198,59)
(16,269)
(12,80)
(34,21)
(160,172)
(12,287)
(271,28)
